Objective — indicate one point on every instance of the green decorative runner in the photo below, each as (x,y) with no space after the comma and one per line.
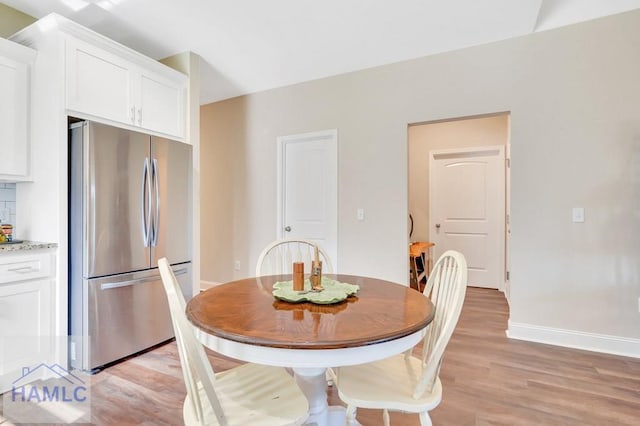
(333,292)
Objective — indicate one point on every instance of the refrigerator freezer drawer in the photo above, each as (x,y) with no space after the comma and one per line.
(125,314)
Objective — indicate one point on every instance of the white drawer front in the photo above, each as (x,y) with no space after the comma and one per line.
(24,267)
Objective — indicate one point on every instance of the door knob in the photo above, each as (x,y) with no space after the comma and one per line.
(438,225)
(287,228)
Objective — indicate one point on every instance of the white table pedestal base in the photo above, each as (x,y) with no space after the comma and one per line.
(313,382)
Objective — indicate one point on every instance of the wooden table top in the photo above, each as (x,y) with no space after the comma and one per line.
(416,249)
(245,311)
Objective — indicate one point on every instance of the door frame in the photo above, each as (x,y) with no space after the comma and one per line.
(330,136)
(507,205)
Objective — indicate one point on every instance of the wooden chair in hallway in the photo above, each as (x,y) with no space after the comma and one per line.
(404,382)
(250,394)
(419,263)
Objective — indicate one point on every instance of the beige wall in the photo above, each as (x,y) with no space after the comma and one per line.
(11,20)
(470,132)
(574,98)
(223,191)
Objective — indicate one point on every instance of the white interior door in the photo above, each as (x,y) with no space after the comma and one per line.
(308,189)
(467,209)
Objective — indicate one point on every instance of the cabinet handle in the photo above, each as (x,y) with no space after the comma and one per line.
(133,115)
(22,269)
(140,117)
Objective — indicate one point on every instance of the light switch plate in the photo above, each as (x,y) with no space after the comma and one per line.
(360,214)
(578,214)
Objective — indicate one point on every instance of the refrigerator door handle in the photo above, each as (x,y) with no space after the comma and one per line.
(146,199)
(118,284)
(156,220)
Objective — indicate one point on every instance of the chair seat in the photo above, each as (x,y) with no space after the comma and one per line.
(253,394)
(391,384)
(388,383)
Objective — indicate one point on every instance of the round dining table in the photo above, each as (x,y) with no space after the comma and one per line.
(243,320)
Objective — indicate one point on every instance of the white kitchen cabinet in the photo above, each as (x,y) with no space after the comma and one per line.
(106,85)
(42,204)
(98,83)
(15,62)
(26,313)
(161,104)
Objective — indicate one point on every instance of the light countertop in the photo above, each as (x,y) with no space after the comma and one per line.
(25,245)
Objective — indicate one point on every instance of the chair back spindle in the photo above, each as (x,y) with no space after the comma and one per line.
(446,288)
(277,258)
(196,368)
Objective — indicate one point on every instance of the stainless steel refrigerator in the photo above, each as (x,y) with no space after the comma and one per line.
(129,205)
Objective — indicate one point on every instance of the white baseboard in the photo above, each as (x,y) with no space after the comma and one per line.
(205,285)
(614,345)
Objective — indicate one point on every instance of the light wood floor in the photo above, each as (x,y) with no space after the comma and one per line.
(487,380)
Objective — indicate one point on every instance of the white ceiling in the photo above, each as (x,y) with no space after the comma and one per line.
(252,45)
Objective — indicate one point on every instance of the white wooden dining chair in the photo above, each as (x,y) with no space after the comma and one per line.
(277,257)
(404,382)
(250,394)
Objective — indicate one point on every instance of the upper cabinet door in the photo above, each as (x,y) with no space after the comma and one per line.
(161,105)
(99,83)
(14,113)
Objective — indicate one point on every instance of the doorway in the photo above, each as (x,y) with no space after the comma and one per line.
(467,146)
(308,189)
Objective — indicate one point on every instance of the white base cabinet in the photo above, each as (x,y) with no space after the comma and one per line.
(26,315)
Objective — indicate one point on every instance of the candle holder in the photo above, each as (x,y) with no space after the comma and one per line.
(298,276)
(316,275)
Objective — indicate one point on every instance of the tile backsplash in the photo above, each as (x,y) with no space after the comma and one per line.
(8,203)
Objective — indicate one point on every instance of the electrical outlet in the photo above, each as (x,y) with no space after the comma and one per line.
(236,265)
(578,214)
